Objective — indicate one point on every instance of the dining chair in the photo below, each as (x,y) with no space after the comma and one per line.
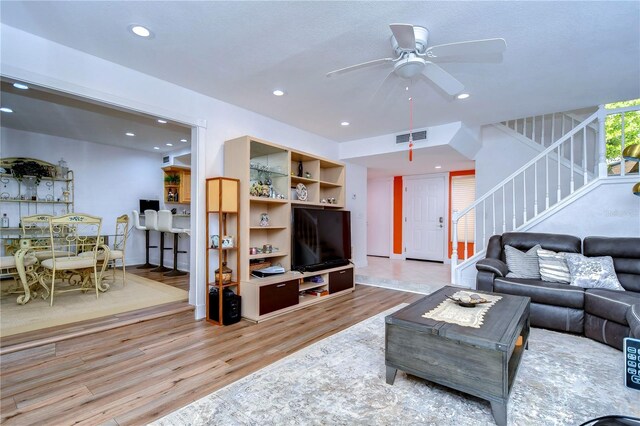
(117,252)
(74,233)
(36,229)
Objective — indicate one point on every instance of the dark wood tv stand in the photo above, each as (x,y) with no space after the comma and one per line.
(264,298)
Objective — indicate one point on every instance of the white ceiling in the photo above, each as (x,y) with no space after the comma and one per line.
(560,55)
(51,113)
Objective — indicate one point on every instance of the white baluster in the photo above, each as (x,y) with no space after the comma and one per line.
(559,183)
(524,196)
(533,130)
(454,245)
(513,203)
(535,189)
(484,223)
(466,234)
(493,211)
(524,127)
(542,138)
(602,145)
(504,212)
(553,128)
(571,184)
(622,160)
(585,175)
(546,181)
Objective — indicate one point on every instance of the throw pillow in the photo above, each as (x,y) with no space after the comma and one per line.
(521,264)
(553,267)
(592,272)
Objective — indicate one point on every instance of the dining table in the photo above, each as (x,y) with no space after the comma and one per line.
(32,275)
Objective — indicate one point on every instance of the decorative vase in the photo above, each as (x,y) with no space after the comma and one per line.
(226,274)
(300,168)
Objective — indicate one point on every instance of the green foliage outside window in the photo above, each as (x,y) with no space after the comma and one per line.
(613,129)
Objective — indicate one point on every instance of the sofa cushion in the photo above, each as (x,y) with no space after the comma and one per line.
(610,304)
(626,257)
(592,272)
(555,242)
(553,267)
(521,264)
(541,291)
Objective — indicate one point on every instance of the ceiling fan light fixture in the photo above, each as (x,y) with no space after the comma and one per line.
(409,67)
(463,96)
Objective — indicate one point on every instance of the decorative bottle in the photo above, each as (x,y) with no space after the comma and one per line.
(5,221)
(300,168)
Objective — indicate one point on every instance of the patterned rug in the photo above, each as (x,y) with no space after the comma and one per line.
(563,380)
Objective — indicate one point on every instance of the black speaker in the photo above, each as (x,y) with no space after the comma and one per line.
(231,306)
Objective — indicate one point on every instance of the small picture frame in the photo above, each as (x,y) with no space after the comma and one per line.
(215,241)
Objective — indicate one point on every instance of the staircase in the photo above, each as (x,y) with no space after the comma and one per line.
(571,160)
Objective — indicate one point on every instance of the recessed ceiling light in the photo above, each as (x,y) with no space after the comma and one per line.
(438,167)
(463,96)
(278,92)
(156,147)
(161,121)
(20,86)
(140,31)
(183,140)
(130,134)
(5,109)
(345,123)
(169,144)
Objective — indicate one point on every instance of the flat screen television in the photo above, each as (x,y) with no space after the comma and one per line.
(320,239)
(149,205)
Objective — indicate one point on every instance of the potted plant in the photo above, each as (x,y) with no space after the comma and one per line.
(23,168)
(172,179)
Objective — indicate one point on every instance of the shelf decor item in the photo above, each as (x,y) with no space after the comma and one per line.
(301,192)
(264,219)
(226,274)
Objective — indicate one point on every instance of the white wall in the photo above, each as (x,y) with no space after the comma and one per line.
(53,65)
(356,202)
(108,180)
(609,210)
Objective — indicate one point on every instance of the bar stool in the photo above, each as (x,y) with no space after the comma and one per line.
(165,224)
(136,223)
(151,222)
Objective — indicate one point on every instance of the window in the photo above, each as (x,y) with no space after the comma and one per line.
(463,194)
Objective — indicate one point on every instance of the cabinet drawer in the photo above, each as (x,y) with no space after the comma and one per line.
(278,296)
(340,280)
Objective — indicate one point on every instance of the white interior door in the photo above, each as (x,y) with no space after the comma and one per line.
(379,207)
(424,218)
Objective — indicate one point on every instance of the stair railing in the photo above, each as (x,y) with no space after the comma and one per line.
(550,179)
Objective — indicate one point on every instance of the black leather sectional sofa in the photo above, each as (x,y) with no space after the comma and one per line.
(607,316)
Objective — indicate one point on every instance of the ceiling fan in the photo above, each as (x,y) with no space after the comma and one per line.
(415,59)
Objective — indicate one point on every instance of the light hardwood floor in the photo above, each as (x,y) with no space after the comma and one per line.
(140,372)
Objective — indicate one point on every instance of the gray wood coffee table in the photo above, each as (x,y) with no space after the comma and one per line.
(479,361)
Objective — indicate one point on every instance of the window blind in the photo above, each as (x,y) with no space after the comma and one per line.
(463,194)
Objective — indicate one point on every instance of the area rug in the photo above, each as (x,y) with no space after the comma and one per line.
(563,380)
(138,293)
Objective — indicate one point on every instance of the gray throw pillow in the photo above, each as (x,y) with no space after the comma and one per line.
(521,264)
(553,267)
(592,272)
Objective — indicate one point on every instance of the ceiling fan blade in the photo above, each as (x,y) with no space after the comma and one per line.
(358,66)
(404,35)
(442,79)
(474,47)
(491,58)
(381,96)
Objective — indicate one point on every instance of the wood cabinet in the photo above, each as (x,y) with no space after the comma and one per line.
(177,185)
(274,297)
(268,176)
(340,280)
(222,213)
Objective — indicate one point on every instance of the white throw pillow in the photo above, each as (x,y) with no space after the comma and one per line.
(593,272)
(553,266)
(521,264)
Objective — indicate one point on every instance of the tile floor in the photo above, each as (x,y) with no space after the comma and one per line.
(407,275)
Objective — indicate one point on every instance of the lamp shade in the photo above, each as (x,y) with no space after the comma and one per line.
(636,189)
(632,152)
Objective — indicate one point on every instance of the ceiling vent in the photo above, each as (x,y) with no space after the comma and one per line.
(417,136)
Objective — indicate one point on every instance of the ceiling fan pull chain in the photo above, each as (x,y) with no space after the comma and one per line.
(411,128)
